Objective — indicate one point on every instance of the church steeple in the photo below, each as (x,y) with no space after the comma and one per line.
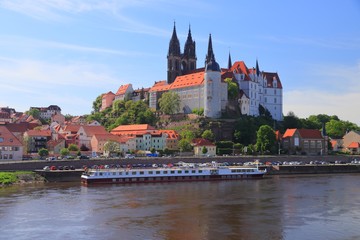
(210,52)
(229,61)
(174,45)
(189,56)
(174,58)
(257,68)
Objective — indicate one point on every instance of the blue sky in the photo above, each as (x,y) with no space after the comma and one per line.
(68,52)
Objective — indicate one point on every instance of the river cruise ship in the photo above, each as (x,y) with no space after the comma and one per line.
(180,173)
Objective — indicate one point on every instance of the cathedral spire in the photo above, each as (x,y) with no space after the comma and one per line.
(189,49)
(174,45)
(229,61)
(257,68)
(210,52)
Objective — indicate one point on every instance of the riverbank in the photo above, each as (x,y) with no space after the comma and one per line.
(19,177)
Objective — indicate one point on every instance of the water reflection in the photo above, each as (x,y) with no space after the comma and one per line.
(296,207)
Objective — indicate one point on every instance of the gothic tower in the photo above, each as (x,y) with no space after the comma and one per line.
(212,85)
(188,60)
(174,58)
(210,51)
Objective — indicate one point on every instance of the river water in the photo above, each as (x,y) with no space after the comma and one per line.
(276,207)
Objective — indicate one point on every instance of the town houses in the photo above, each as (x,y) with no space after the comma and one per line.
(205,88)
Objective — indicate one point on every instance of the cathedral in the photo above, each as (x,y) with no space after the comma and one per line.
(205,88)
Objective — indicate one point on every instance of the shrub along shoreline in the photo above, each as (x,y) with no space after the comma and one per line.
(19,177)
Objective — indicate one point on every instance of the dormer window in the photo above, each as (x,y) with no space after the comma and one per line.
(1,139)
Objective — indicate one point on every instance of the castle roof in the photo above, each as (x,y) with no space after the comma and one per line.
(122,89)
(188,80)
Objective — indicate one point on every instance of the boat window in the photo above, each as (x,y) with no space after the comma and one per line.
(200,171)
(172,172)
(127,173)
(150,172)
(232,170)
(141,173)
(100,174)
(186,171)
(133,173)
(157,172)
(114,173)
(165,172)
(120,173)
(179,171)
(193,171)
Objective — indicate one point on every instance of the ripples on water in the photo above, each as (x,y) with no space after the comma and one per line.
(293,207)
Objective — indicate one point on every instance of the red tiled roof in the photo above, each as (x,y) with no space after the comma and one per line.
(199,142)
(73,128)
(39,133)
(122,89)
(172,134)
(160,86)
(92,130)
(188,80)
(270,77)
(289,132)
(8,139)
(133,127)
(354,145)
(304,133)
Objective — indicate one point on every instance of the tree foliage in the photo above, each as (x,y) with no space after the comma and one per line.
(35,113)
(73,147)
(170,102)
(265,140)
(208,134)
(112,147)
(233,89)
(64,152)
(97,104)
(123,113)
(43,152)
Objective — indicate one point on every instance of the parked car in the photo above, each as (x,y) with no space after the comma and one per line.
(84,157)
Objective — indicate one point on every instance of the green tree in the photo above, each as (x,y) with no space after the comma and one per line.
(184,145)
(64,152)
(208,134)
(291,121)
(73,147)
(112,147)
(337,128)
(97,104)
(204,150)
(34,112)
(265,139)
(43,152)
(170,102)
(233,89)
(153,150)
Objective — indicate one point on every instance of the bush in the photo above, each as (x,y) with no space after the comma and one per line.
(7,178)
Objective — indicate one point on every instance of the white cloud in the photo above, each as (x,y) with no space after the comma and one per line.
(338,93)
(312,102)
(73,86)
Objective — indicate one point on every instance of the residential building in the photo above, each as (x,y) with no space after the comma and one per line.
(85,133)
(36,139)
(107,100)
(10,147)
(47,112)
(200,143)
(304,141)
(124,91)
(351,141)
(125,144)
